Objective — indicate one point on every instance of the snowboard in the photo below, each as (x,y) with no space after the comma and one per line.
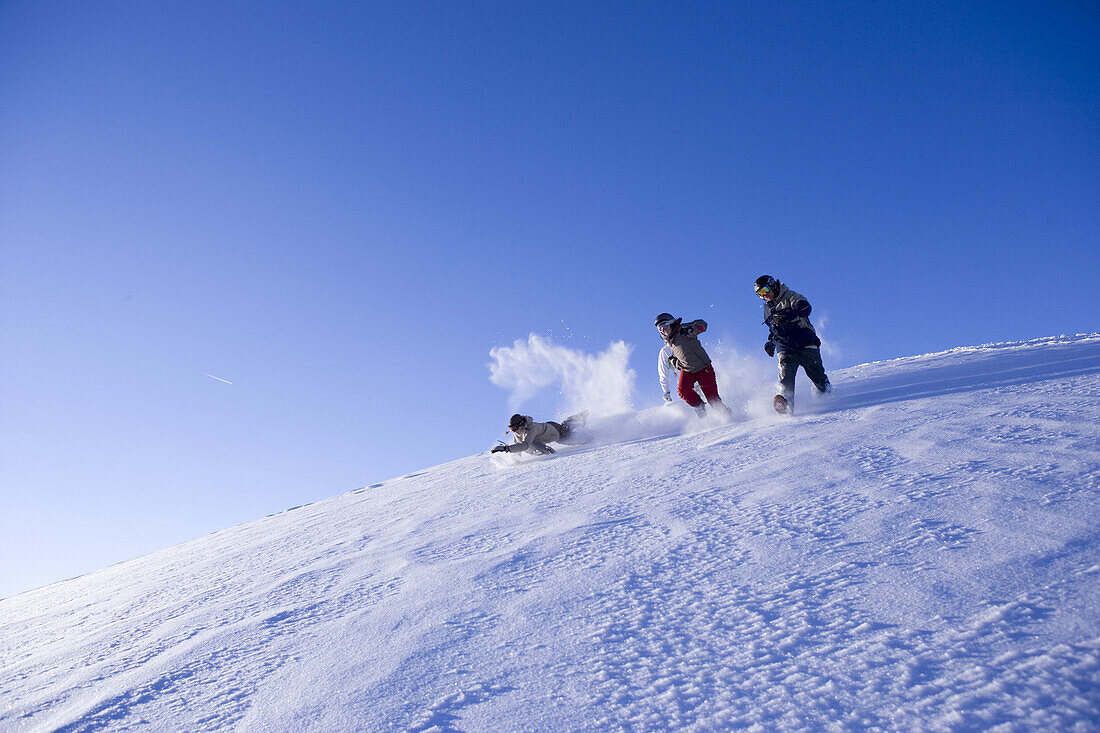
(576,421)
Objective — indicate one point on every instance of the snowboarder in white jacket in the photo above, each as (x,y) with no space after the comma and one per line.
(689,356)
(668,373)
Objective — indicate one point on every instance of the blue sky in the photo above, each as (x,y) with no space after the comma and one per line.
(341,208)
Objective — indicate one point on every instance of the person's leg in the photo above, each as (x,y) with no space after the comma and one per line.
(788,369)
(685,387)
(567,435)
(811,363)
(709,383)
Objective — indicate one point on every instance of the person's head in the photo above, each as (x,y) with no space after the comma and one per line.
(516,422)
(663,322)
(765,287)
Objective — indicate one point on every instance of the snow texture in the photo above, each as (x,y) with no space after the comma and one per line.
(917,552)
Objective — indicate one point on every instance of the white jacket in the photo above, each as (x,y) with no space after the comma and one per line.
(664,369)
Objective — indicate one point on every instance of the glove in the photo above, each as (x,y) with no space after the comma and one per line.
(769,349)
(499,449)
(668,398)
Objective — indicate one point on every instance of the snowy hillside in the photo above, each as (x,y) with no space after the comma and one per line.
(922,551)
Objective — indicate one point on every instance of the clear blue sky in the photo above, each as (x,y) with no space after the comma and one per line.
(342,207)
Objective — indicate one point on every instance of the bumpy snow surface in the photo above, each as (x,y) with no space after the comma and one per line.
(920,551)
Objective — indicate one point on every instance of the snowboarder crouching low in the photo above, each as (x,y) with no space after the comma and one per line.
(689,356)
(787,316)
(532,437)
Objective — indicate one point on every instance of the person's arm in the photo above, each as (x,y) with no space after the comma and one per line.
(519,445)
(530,437)
(664,371)
(694,328)
(773,330)
(789,309)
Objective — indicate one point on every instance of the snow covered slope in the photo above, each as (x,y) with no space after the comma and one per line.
(920,552)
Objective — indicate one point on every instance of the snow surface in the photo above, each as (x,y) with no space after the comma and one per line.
(918,552)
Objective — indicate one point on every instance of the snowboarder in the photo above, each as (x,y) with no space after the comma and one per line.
(689,356)
(787,316)
(532,437)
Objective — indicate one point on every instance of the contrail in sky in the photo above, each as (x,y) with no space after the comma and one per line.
(217,378)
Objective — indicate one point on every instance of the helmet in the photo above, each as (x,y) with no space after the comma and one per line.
(765,284)
(517,421)
(662,317)
(764,281)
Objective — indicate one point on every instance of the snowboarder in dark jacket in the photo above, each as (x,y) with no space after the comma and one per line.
(787,316)
(689,356)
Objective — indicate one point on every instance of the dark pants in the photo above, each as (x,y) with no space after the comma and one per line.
(565,433)
(809,358)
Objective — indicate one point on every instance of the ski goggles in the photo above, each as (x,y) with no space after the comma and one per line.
(763,290)
(665,327)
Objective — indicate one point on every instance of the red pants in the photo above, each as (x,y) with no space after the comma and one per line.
(705,377)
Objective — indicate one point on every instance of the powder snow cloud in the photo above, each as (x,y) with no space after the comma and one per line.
(601,383)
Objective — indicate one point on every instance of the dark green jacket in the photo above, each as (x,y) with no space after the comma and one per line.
(787,317)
